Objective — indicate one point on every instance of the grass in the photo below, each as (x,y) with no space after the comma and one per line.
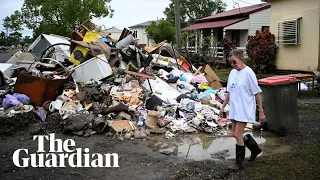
(300,164)
(224,73)
(309,95)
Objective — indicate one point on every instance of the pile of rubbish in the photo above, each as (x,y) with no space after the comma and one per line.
(98,85)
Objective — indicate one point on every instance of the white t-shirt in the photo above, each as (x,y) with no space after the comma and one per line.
(242,86)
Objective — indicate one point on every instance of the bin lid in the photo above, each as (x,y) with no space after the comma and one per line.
(274,80)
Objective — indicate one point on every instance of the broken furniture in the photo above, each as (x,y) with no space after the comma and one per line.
(304,77)
(37,88)
(45,45)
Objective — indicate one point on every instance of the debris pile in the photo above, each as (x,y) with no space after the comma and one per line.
(98,85)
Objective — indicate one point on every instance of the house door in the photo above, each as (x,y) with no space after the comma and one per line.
(235,35)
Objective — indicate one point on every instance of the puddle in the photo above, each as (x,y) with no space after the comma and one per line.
(206,146)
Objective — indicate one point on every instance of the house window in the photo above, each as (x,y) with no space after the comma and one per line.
(135,34)
(289,32)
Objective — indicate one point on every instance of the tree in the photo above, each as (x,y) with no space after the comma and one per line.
(2,35)
(13,22)
(27,40)
(161,30)
(60,16)
(191,10)
(15,37)
(2,38)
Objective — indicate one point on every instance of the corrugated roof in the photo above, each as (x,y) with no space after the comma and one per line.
(144,24)
(214,24)
(237,12)
(113,30)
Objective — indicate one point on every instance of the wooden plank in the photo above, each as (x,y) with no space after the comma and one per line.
(150,49)
(210,72)
(212,78)
(139,74)
(197,71)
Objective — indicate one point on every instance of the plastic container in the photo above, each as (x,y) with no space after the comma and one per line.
(280,102)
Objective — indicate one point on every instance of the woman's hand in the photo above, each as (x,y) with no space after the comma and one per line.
(262,116)
(221,112)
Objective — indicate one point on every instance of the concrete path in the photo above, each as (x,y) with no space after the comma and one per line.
(308,101)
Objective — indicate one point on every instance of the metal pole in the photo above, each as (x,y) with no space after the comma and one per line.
(177,24)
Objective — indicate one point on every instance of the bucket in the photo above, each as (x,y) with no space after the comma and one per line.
(98,124)
(125,42)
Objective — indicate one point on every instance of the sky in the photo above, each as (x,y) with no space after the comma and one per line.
(126,13)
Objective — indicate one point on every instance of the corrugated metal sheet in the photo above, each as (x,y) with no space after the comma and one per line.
(238,11)
(214,24)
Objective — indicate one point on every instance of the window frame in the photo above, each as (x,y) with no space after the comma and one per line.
(289,32)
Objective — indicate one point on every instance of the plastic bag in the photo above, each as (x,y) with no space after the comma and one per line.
(10,101)
(24,99)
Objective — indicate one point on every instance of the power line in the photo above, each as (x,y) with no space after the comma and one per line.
(245,2)
(234,3)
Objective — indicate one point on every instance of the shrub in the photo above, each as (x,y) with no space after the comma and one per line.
(227,44)
(262,51)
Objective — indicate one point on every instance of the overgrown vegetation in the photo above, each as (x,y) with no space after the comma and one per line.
(262,51)
(206,48)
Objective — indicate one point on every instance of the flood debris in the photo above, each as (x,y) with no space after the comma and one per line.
(99,86)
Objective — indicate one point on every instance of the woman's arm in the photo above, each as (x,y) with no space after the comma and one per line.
(226,101)
(262,116)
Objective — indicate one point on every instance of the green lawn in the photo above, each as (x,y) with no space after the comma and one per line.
(224,73)
(302,163)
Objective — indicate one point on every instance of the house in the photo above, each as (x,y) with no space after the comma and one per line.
(139,31)
(296,25)
(237,24)
(114,33)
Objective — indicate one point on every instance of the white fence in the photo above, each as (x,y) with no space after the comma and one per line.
(219,51)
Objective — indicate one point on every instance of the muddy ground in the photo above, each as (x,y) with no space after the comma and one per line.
(137,161)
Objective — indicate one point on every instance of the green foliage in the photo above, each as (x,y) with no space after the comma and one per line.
(262,51)
(60,16)
(191,10)
(2,38)
(205,54)
(227,44)
(27,40)
(161,30)
(13,22)
(15,38)
(2,35)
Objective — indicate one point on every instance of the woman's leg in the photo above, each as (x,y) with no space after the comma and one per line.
(238,133)
(238,130)
(234,125)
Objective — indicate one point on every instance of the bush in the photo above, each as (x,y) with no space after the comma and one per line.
(262,51)
(228,45)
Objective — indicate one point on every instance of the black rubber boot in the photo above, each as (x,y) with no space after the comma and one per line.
(252,146)
(240,154)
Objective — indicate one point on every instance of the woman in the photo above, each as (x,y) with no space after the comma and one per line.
(243,93)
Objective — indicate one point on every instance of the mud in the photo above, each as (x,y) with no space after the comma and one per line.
(143,159)
(208,147)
